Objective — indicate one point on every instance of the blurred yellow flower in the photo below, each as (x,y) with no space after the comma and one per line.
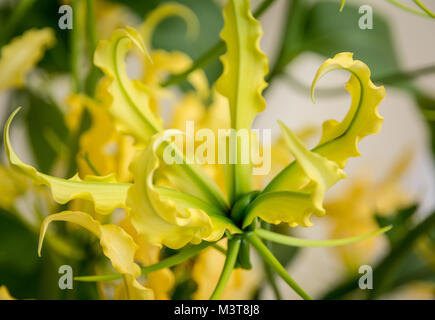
(22,54)
(354,210)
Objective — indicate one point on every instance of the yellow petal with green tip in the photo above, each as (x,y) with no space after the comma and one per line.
(117,245)
(130,99)
(104,192)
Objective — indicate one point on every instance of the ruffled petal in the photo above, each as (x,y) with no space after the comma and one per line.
(117,245)
(242,82)
(130,98)
(104,192)
(169,216)
(340,139)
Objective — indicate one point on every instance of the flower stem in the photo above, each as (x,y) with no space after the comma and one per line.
(94,72)
(75,47)
(268,269)
(298,242)
(166,263)
(409,9)
(230,261)
(274,263)
(424,8)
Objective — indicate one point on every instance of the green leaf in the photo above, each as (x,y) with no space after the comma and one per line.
(328,31)
(43,120)
(401,222)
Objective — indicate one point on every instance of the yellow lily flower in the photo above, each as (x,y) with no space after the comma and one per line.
(22,54)
(175,204)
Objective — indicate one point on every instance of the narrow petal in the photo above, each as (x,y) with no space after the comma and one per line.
(242,82)
(104,192)
(245,65)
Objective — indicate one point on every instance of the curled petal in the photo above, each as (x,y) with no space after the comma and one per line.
(130,98)
(104,192)
(117,245)
(340,139)
(22,54)
(296,206)
(164,11)
(168,216)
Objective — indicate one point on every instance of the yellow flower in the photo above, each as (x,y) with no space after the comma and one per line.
(22,54)
(12,185)
(353,212)
(175,204)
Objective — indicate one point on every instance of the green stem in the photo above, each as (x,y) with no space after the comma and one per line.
(94,72)
(213,53)
(274,263)
(219,248)
(166,263)
(91,165)
(267,268)
(395,78)
(297,242)
(385,268)
(75,47)
(409,9)
(230,261)
(424,8)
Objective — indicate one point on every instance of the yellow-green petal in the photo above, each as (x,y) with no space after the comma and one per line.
(164,11)
(343,2)
(340,139)
(242,81)
(104,192)
(22,54)
(130,99)
(295,206)
(165,216)
(117,245)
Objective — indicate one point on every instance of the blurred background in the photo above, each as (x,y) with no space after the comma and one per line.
(392,182)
